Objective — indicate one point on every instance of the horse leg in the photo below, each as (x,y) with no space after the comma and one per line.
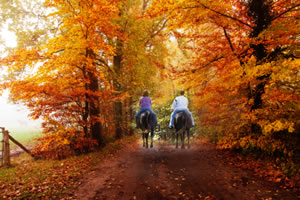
(188,135)
(147,135)
(152,134)
(182,139)
(143,139)
(177,140)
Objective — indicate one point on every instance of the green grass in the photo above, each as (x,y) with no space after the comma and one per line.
(27,138)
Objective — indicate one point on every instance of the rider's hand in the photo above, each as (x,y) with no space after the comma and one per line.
(172,110)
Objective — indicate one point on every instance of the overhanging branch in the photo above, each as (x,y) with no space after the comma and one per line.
(224,15)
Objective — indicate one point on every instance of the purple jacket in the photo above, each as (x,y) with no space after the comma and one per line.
(145,102)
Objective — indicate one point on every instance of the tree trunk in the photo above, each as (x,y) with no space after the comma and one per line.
(127,114)
(94,110)
(259,11)
(131,115)
(117,61)
(118,119)
(85,114)
(93,102)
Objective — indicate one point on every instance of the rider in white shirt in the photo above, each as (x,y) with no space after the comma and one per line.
(180,103)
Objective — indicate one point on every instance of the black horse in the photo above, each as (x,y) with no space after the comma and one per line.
(147,123)
(182,125)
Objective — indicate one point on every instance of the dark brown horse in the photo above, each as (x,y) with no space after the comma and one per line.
(181,123)
(147,124)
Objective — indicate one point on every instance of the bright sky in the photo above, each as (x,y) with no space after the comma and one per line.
(14,117)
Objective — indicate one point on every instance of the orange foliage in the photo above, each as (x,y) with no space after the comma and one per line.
(64,80)
(62,144)
(243,69)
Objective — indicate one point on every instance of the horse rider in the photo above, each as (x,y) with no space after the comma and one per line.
(180,104)
(145,104)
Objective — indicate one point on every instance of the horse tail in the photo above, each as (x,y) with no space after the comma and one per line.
(180,120)
(144,120)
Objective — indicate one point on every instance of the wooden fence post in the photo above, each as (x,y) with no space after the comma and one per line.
(5,147)
(2,150)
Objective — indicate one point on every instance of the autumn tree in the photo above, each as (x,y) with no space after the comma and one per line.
(90,55)
(243,68)
(63,80)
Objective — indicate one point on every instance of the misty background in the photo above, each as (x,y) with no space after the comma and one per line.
(14,118)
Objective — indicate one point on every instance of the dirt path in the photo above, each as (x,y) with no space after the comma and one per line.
(168,173)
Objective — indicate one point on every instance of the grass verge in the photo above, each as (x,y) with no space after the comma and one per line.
(51,179)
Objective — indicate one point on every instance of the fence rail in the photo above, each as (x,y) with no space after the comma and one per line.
(5,160)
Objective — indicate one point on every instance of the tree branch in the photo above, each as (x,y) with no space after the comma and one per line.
(145,4)
(222,14)
(210,62)
(157,31)
(228,39)
(60,50)
(288,10)
(106,65)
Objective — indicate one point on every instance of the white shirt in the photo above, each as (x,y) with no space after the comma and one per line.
(180,102)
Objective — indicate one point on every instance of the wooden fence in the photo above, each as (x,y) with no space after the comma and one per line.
(5,148)
(5,162)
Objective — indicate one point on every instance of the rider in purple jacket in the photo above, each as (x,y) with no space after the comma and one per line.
(145,104)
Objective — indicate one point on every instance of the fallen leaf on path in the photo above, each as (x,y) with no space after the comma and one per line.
(277,180)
